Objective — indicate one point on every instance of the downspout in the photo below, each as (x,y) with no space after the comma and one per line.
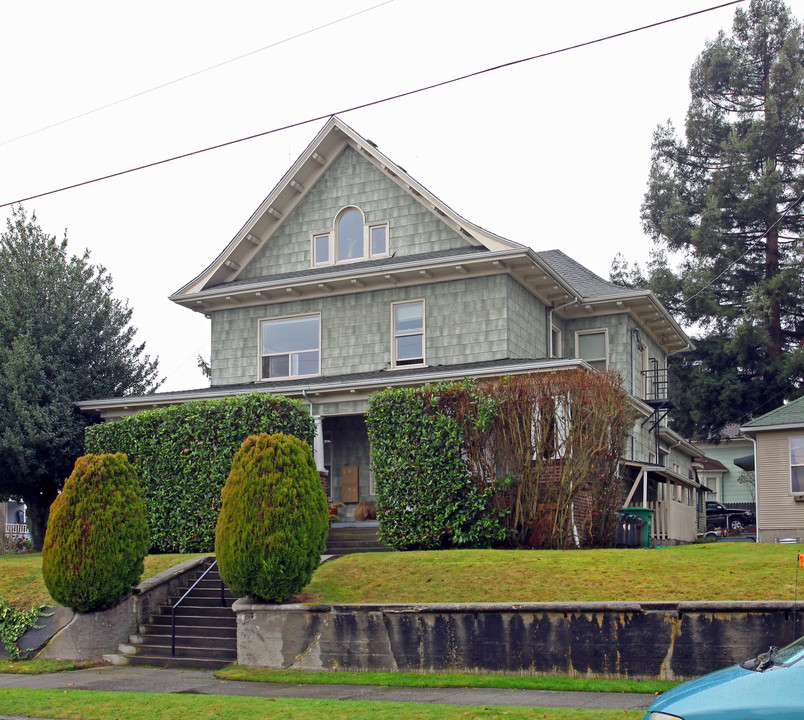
(550,310)
(756,487)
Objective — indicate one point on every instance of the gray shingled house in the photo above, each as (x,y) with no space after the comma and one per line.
(351,277)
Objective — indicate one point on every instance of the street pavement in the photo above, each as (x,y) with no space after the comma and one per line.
(204,682)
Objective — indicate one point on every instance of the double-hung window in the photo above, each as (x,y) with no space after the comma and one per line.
(797,464)
(408,324)
(592,346)
(290,347)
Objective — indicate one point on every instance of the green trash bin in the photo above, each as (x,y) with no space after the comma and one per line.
(646,514)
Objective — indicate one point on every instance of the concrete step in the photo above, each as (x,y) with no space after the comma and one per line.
(189,632)
(200,619)
(198,647)
(206,632)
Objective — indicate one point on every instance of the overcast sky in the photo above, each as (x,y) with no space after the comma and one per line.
(552,153)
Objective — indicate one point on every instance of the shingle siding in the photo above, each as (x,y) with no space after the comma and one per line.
(352,180)
(465,321)
(527,321)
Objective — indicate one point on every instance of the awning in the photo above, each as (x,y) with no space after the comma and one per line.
(746,462)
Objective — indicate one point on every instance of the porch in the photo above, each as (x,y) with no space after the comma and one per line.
(676,502)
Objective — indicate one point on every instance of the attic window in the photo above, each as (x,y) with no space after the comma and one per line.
(350,240)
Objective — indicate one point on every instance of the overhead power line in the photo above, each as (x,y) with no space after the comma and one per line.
(371,103)
(194,74)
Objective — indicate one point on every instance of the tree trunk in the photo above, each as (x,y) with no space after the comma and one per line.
(38,506)
(775,314)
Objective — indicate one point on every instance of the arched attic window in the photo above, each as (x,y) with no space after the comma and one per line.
(349,236)
(350,239)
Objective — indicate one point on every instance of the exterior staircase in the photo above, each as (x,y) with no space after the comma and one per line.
(206,631)
(346,538)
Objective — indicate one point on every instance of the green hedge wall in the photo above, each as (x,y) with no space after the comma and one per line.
(426,498)
(183,454)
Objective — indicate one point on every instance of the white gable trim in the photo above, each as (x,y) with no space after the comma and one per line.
(294,186)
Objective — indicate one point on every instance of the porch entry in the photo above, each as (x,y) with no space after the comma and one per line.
(344,453)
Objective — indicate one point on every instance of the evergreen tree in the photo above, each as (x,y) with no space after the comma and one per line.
(723,205)
(63,338)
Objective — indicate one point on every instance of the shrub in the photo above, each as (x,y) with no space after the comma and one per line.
(426,498)
(97,535)
(274,520)
(183,454)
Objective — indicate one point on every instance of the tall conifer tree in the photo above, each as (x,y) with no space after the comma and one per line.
(724,207)
(63,338)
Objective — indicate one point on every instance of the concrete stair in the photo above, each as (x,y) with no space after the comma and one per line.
(347,538)
(206,632)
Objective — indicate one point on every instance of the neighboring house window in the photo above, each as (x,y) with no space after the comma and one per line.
(290,347)
(408,322)
(797,464)
(555,342)
(592,346)
(351,240)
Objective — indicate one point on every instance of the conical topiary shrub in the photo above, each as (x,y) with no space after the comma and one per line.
(273,523)
(97,535)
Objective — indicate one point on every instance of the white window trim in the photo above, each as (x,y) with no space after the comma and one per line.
(260,355)
(330,250)
(368,230)
(791,464)
(559,351)
(593,331)
(332,235)
(394,364)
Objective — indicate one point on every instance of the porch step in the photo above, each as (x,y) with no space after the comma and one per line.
(206,631)
(351,539)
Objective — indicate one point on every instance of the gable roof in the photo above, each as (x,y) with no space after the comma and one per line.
(297,183)
(790,416)
(559,281)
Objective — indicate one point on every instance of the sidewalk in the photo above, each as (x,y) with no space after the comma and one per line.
(203,682)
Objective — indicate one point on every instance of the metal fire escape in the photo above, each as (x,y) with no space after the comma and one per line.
(657,395)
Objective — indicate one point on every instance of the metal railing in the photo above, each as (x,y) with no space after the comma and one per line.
(659,384)
(181,600)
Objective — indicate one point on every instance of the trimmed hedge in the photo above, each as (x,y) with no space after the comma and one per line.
(426,498)
(97,535)
(272,528)
(183,454)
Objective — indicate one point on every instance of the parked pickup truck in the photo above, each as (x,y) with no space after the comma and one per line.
(720,516)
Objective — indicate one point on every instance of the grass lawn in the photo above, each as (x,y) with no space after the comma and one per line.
(443,680)
(99,705)
(712,571)
(21,581)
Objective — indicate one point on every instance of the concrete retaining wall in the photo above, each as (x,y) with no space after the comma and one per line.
(615,640)
(69,635)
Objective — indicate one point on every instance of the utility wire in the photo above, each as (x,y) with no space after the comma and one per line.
(732,263)
(372,103)
(194,74)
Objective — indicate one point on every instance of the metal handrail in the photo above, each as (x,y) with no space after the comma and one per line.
(181,600)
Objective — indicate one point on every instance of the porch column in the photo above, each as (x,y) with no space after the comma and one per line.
(318,443)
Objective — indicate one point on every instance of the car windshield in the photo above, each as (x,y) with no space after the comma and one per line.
(789,654)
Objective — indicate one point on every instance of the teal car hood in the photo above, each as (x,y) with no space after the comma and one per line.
(735,693)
